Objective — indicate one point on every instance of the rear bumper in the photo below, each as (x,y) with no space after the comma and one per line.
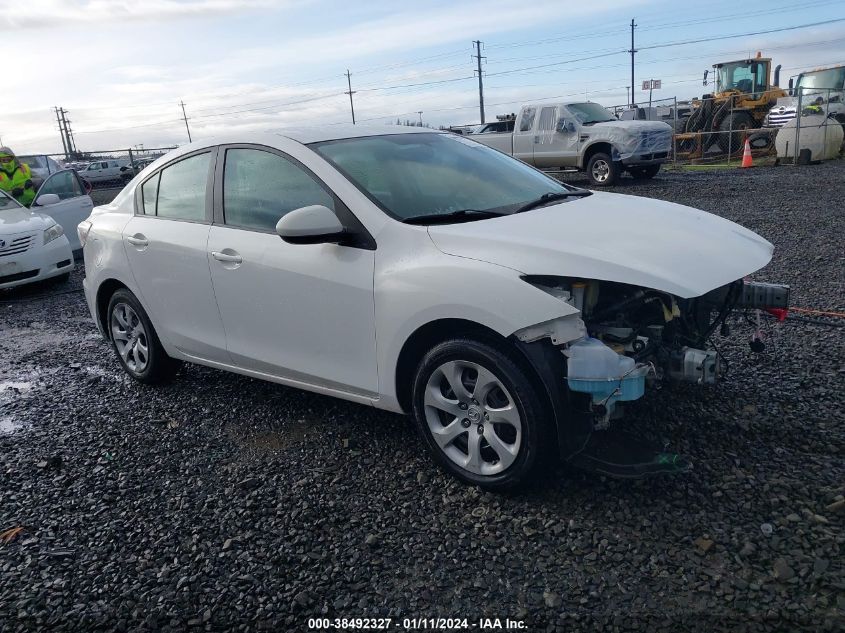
(37,264)
(90,299)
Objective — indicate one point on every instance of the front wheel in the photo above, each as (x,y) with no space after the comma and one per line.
(641,173)
(135,341)
(480,415)
(602,171)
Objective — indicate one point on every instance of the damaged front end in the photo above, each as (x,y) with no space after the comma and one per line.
(623,340)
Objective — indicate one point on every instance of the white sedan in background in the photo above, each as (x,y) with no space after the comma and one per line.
(64,197)
(425,273)
(33,247)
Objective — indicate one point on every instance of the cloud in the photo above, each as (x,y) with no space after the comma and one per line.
(34,14)
(460,22)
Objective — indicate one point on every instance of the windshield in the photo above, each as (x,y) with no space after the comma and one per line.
(7,203)
(833,79)
(745,77)
(413,175)
(587,113)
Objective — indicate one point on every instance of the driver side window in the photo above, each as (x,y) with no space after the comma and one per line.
(64,184)
(260,187)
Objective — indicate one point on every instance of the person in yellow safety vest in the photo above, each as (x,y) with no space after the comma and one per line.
(16,177)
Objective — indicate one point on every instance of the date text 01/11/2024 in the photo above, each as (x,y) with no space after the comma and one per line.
(414,624)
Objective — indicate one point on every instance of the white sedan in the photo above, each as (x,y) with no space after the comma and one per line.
(424,273)
(33,247)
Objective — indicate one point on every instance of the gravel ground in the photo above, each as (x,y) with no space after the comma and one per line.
(224,503)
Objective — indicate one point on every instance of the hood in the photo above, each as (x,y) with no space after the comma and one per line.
(630,126)
(613,237)
(19,220)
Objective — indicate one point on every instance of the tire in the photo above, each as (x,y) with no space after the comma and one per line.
(740,122)
(128,325)
(496,456)
(641,173)
(602,171)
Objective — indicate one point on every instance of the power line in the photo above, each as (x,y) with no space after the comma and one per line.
(728,37)
(271,107)
(748,14)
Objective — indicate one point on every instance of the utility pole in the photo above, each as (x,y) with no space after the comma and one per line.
(632,51)
(350,92)
(478,57)
(68,140)
(185,116)
(628,95)
(420,113)
(62,132)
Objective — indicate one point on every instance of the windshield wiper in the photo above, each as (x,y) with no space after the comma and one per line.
(452,216)
(552,196)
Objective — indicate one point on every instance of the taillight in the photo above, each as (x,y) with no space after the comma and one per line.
(82,230)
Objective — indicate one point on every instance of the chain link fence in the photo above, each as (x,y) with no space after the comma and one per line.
(714,131)
(100,169)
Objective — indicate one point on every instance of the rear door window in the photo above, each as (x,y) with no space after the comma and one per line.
(547,120)
(149,193)
(182,187)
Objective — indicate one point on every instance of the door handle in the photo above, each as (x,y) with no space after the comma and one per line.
(138,240)
(225,257)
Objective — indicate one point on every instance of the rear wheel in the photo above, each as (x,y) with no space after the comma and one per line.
(480,415)
(135,341)
(602,171)
(640,173)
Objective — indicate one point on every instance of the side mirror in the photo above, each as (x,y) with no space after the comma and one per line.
(46,199)
(791,84)
(704,81)
(314,224)
(565,127)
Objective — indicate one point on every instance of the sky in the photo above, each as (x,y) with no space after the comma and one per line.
(121,68)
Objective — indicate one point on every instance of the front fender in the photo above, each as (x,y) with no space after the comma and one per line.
(414,289)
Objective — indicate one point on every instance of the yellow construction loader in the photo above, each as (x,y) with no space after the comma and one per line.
(743,96)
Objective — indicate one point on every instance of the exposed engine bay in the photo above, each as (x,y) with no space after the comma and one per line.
(626,336)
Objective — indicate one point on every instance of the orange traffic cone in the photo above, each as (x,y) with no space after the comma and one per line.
(746,155)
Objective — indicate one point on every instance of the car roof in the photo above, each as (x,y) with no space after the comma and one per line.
(336,132)
(305,135)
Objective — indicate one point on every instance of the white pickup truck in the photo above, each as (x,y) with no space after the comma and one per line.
(587,137)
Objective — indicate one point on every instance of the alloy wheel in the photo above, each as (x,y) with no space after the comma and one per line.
(600,170)
(472,417)
(130,337)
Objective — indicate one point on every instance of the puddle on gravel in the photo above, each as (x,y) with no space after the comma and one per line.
(9,425)
(26,341)
(11,390)
(15,386)
(270,440)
